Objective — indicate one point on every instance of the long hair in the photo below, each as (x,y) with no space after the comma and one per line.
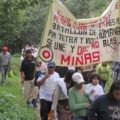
(114,86)
(68,77)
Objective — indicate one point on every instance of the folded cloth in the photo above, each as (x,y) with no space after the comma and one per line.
(62,85)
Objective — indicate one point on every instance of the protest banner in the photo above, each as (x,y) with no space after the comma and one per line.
(75,42)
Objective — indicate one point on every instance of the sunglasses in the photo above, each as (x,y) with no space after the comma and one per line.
(51,67)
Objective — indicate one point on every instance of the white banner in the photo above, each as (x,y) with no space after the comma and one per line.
(75,42)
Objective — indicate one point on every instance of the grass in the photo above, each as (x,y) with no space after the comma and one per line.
(14,86)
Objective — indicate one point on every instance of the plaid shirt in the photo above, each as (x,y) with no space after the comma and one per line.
(116,70)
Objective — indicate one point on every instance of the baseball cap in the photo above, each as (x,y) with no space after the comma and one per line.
(5,48)
(51,64)
(78,78)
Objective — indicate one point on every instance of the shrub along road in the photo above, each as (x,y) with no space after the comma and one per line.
(12,103)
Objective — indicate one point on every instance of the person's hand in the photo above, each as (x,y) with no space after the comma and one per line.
(52,114)
(46,76)
(22,79)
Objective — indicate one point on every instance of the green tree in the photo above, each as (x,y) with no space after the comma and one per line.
(13,16)
(22,21)
(34,25)
(80,8)
(98,7)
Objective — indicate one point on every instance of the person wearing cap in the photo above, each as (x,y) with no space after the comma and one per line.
(27,71)
(78,100)
(5,59)
(47,85)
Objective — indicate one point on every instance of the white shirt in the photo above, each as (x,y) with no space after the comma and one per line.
(97,88)
(48,87)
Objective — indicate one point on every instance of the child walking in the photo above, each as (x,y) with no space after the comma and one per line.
(94,89)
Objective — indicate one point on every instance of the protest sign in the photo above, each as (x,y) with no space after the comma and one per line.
(75,42)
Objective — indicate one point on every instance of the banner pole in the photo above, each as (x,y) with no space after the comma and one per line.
(45,24)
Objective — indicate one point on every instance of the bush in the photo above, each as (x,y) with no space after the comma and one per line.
(15,65)
(16,55)
(10,110)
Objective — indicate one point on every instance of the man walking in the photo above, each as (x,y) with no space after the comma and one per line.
(27,77)
(5,58)
(47,85)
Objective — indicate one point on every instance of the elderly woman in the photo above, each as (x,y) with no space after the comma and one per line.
(78,100)
(60,97)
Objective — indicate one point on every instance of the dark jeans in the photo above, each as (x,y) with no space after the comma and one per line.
(45,107)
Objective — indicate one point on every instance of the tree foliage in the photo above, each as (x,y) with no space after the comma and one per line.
(21,21)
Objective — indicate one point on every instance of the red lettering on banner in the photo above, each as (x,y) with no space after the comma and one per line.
(64,60)
(88,58)
(82,49)
(96,56)
(59,18)
(79,60)
(95,44)
(73,59)
(80,26)
(84,59)
(56,18)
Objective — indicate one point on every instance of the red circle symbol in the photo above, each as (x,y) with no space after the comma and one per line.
(46,54)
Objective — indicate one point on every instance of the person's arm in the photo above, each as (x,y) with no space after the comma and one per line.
(22,76)
(55,97)
(41,80)
(72,103)
(55,101)
(22,72)
(45,67)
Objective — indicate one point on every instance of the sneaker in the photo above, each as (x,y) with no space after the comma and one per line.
(34,103)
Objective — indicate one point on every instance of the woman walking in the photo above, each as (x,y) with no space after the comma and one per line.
(78,100)
(60,97)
